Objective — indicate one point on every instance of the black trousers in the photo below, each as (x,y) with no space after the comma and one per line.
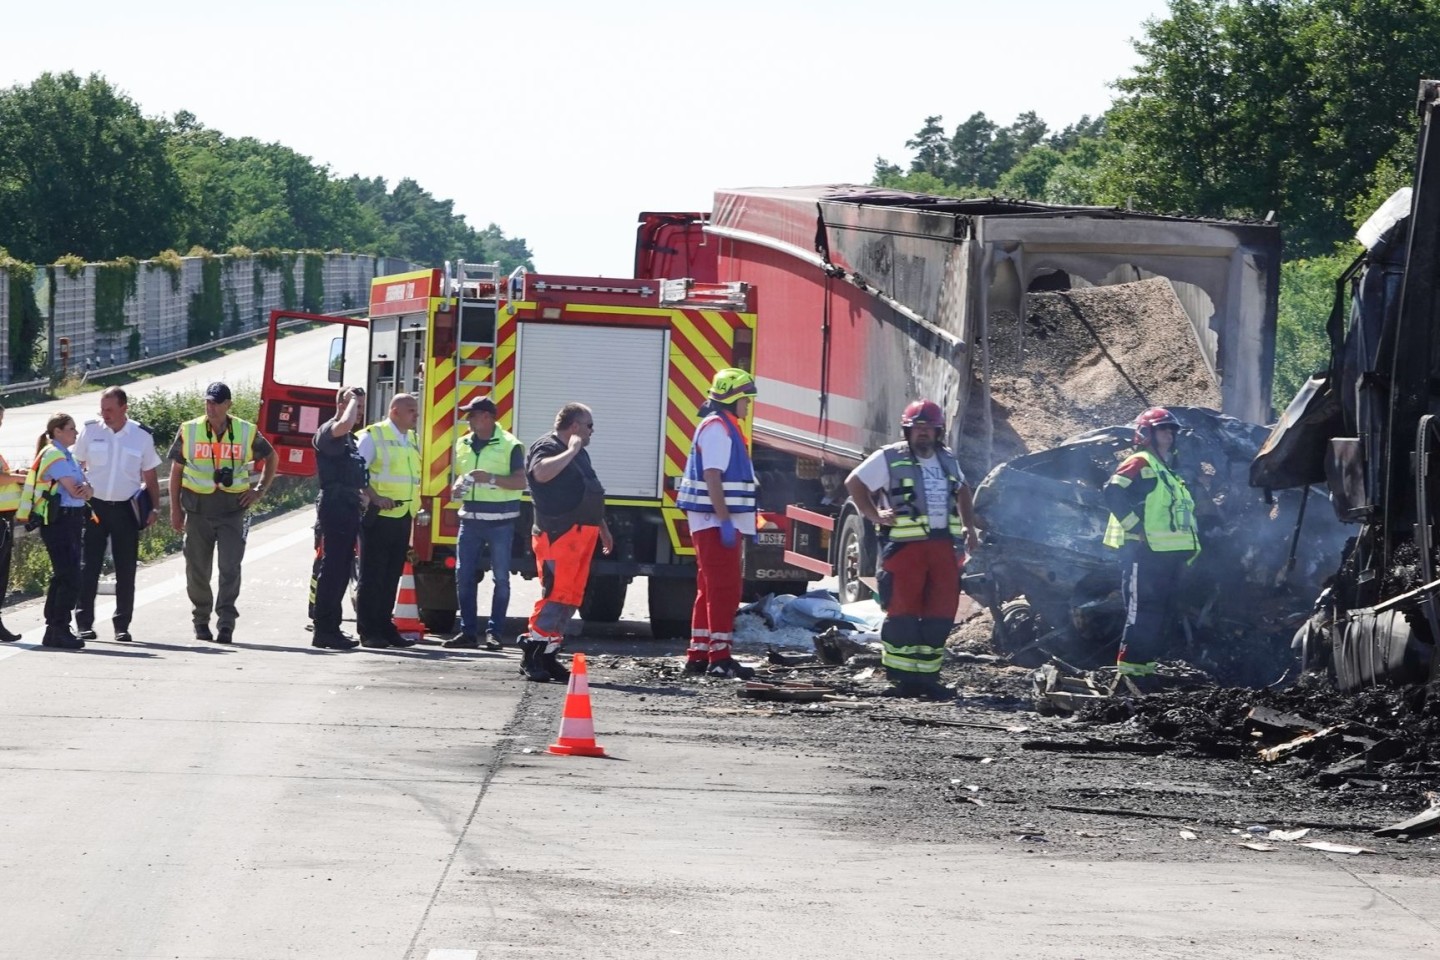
(112,522)
(61,537)
(7,550)
(1149,582)
(338,528)
(384,542)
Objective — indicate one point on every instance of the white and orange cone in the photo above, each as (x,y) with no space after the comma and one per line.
(577,726)
(407,611)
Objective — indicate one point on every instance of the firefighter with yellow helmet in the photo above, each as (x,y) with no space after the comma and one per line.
(1152,524)
(717,494)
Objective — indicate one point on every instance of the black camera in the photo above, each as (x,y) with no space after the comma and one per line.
(358,391)
(225,477)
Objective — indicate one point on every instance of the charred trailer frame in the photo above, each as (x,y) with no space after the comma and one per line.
(1367,427)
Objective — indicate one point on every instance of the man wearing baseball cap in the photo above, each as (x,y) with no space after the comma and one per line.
(489,479)
(212,469)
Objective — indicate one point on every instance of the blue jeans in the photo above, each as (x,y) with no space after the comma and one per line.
(474,535)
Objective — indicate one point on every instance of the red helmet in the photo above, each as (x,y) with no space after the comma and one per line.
(1147,422)
(923,411)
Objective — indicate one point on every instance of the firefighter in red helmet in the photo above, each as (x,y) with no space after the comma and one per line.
(1152,524)
(915,492)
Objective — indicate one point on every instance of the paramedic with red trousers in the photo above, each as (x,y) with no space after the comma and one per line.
(717,494)
(569,508)
(915,492)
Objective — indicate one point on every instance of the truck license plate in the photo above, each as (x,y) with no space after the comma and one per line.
(770,538)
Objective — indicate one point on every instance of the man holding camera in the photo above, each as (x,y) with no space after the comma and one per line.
(211,469)
(343,479)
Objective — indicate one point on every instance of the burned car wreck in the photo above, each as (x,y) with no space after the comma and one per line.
(1052,587)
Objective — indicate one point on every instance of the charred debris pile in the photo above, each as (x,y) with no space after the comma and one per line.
(1378,739)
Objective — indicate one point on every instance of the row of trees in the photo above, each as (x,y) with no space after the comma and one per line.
(1237,108)
(83,172)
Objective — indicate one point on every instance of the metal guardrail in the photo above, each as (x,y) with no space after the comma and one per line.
(27,385)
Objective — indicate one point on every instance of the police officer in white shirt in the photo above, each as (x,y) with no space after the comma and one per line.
(120,461)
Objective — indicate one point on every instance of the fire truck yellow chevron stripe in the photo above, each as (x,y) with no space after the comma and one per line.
(475,373)
(440,407)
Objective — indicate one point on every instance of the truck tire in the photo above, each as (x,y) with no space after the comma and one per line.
(850,559)
(671,601)
(604,598)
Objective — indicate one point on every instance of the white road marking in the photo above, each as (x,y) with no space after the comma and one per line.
(448,954)
(158,591)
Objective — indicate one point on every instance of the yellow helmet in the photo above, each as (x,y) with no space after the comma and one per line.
(731,384)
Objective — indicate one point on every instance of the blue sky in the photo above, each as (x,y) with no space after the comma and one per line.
(560,120)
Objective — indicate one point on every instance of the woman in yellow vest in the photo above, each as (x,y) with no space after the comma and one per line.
(10,484)
(55,492)
(1152,524)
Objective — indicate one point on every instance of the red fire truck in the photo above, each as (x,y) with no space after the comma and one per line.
(639,353)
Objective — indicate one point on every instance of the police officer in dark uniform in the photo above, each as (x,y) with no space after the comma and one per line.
(343,479)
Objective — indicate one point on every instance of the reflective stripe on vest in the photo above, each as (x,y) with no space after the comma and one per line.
(737,479)
(488,502)
(205,453)
(34,495)
(395,474)
(1169,517)
(907,493)
(10,492)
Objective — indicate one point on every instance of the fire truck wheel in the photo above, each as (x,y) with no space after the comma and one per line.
(604,598)
(671,602)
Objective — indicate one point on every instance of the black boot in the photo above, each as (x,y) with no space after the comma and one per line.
(550,661)
(7,636)
(530,666)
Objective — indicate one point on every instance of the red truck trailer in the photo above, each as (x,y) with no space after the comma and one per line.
(868,298)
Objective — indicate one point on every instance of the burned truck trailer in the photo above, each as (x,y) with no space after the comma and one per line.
(868,298)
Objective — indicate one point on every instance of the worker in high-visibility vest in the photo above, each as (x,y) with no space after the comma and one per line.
(54,497)
(212,465)
(915,493)
(717,494)
(10,484)
(390,452)
(1152,524)
(489,467)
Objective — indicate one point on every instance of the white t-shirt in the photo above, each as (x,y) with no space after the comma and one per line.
(714,441)
(875,474)
(115,463)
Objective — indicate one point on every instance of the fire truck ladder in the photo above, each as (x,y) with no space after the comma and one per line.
(476,289)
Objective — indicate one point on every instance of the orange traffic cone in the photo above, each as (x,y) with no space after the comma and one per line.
(406,613)
(577,726)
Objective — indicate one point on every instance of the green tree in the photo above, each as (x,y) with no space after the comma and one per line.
(82,172)
(1029,177)
(1307,294)
(932,152)
(1240,107)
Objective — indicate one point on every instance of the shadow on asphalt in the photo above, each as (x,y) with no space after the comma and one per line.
(96,651)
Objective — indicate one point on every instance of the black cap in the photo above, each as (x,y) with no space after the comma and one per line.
(217,392)
(479,405)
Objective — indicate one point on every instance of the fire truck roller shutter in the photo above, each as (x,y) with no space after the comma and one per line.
(620,374)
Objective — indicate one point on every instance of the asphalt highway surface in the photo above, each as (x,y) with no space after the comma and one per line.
(174,799)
